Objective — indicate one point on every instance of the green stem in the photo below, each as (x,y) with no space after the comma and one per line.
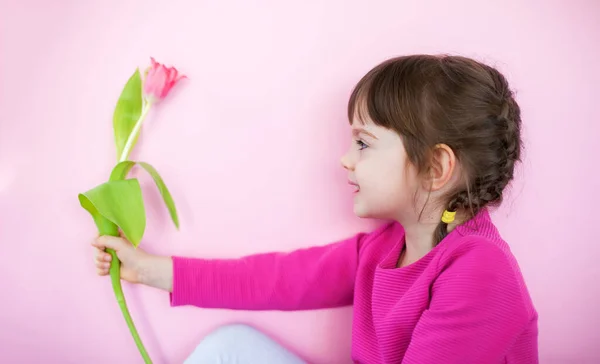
(134,132)
(106,227)
(115,265)
(115,277)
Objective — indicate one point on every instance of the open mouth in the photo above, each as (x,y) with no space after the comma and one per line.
(356,186)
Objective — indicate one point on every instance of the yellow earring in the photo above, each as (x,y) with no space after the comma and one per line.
(448,216)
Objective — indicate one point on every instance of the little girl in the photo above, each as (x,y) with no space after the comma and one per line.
(435,142)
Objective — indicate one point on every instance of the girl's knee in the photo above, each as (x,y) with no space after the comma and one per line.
(240,343)
(232,333)
(230,337)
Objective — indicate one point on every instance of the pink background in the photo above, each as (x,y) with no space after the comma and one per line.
(250,148)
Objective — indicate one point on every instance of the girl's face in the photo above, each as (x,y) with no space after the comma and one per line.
(385,184)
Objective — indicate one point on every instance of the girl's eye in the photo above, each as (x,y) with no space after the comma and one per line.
(361,144)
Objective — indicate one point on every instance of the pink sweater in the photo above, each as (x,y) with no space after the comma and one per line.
(464,302)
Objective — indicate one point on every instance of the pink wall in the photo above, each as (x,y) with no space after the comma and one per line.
(236,146)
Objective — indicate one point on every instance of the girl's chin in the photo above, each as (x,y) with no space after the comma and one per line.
(360,209)
(364,210)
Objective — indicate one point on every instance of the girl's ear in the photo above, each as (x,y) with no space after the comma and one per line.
(442,166)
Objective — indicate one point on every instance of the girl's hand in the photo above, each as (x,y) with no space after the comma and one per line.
(130,257)
(137,266)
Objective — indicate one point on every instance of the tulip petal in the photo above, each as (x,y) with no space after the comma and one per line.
(159,80)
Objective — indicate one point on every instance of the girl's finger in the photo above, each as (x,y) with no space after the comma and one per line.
(98,255)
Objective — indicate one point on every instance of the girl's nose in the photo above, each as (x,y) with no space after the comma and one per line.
(346,162)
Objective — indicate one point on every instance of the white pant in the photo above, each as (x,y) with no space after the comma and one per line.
(240,344)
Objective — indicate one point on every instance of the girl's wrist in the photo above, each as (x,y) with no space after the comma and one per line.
(157,271)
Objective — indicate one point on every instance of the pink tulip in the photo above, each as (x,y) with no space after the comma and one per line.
(159,81)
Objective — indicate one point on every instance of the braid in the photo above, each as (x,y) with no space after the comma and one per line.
(487,188)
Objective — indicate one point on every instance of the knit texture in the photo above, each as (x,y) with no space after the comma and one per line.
(464,302)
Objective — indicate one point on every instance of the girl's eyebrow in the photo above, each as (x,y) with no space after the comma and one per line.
(357,131)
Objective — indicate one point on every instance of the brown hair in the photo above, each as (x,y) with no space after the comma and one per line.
(454,100)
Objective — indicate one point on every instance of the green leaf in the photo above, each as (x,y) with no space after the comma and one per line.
(164,191)
(119,202)
(127,111)
(105,226)
(120,171)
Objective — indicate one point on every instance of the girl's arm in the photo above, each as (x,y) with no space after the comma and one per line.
(310,278)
